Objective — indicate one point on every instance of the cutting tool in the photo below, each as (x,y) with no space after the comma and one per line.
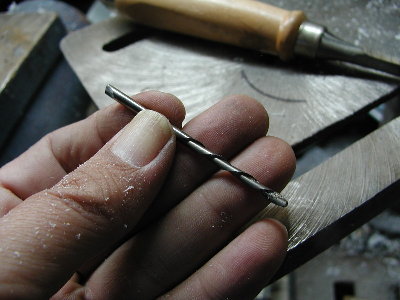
(250,24)
(198,147)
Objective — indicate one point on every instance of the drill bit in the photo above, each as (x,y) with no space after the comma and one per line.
(221,162)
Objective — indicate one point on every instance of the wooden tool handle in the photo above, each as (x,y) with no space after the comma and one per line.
(244,23)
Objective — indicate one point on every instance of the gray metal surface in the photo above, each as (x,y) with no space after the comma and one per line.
(303,98)
(333,199)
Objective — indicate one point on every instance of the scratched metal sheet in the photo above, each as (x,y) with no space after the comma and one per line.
(303,99)
(324,207)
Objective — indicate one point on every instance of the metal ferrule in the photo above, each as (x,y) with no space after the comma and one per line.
(308,39)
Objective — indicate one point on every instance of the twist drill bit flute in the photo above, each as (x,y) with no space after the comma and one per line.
(221,162)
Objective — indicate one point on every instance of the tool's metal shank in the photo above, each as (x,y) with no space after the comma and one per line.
(314,41)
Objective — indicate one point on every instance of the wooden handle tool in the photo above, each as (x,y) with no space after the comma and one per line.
(250,24)
(245,23)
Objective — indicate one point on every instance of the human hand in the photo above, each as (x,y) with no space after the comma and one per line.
(86,192)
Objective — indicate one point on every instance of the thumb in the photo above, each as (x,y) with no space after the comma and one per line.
(44,240)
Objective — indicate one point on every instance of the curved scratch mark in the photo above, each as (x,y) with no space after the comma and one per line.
(252,85)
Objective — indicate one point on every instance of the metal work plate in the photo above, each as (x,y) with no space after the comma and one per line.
(303,98)
(341,194)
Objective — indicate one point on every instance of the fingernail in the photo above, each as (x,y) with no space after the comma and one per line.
(143,138)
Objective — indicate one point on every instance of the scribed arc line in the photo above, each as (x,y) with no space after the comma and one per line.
(254,87)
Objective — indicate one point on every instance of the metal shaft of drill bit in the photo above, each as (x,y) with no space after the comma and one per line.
(221,162)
